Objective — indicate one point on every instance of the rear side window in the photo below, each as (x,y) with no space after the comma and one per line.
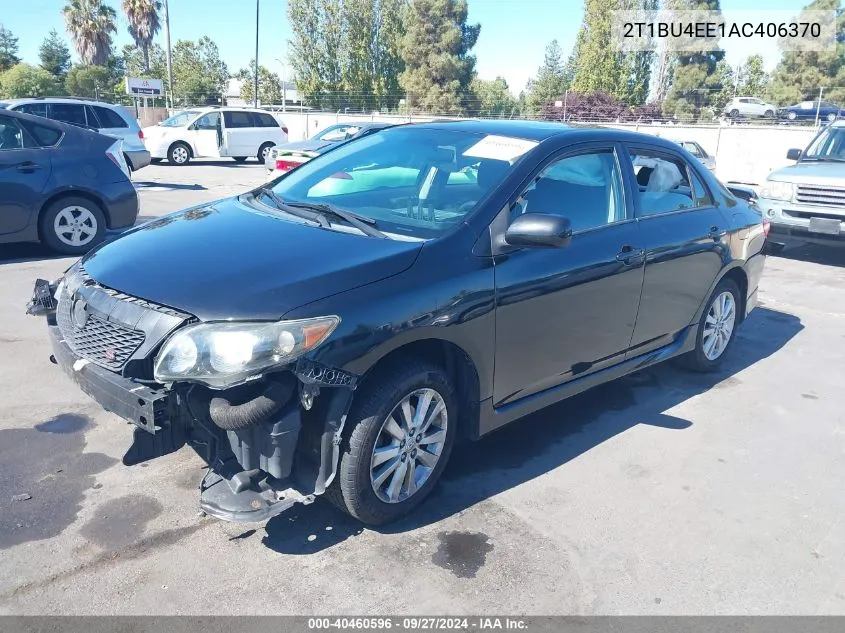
(11,135)
(262,119)
(234,119)
(109,118)
(37,109)
(662,183)
(68,112)
(44,135)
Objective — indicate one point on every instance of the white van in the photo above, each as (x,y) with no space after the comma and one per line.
(214,132)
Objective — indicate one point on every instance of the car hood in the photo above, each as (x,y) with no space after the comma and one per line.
(228,260)
(812,173)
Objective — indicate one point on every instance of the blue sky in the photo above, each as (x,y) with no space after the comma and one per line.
(514,33)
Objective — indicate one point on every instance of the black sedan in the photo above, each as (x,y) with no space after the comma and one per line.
(61,184)
(337,330)
(808,110)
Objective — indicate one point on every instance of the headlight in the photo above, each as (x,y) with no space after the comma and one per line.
(776,190)
(225,354)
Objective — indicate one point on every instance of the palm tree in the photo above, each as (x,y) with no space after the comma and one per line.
(90,24)
(143,24)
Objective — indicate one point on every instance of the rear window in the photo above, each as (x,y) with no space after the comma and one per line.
(262,119)
(109,118)
(234,119)
(68,112)
(45,136)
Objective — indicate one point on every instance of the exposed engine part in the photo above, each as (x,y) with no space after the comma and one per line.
(241,407)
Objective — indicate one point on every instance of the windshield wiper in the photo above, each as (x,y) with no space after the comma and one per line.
(360,222)
(300,213)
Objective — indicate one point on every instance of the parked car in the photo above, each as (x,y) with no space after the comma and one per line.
(807,199)
(285,157)
(695,148)
(749,107)
(808,110)
(60,184)
(215,132)
(105,118)
(339,343)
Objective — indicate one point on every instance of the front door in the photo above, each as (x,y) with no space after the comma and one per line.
(205,135)
(685,236)
(564,313)
(24,170)
(237,138)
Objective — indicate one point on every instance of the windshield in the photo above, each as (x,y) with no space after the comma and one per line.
(828,145)
(336,133)
(693,149)
(413,181)
(179,120)
(3,105)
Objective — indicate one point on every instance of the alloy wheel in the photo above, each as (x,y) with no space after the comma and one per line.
(719,325)
(408,445)
(180,154)
(75,226)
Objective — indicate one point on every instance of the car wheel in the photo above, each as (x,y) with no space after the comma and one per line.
(716,329)
(72,225)
(769,114)
(734,113)
(402,428)
(239,159)
(178,154)
(791,116)
(262,152)
(831,116)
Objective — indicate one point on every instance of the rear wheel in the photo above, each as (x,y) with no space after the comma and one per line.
(263,150)
(831,116)
(791,116)
(716,329)
(769,114)
(72,225)
(734,113)
(402,430)
(178,154)
(239,159)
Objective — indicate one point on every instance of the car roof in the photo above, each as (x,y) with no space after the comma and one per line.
(60,100)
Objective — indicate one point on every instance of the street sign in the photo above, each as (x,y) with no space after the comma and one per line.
(147,87)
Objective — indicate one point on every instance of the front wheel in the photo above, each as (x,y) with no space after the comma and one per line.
(716,328)
(178,154)
(263,151)
(791,116)
(769,114)
(831,117)
(734,113)
(402,430)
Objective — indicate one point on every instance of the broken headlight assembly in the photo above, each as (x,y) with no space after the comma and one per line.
(225,354)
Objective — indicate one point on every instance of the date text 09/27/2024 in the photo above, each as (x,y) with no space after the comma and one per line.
(417,623)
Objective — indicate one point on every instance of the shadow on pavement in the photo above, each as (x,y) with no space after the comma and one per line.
(548,439)
(833,255)
(168,186)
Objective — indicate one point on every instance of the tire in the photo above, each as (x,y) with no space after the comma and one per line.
(831,117)
(769,114)
(240,159)
(62,213)
(353,489)
(791,116)
(734,113)
(262,152)
(179,154)
(700,359)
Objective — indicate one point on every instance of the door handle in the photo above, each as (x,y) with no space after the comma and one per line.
(716,233)
(630,256)
(28,167)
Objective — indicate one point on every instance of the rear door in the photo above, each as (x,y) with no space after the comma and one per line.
(685,238)
(73,113)
(24,171)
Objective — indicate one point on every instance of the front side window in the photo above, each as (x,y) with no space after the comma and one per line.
(179,120)
(68,113)
(37,109)
(663,184)
(11,135)
(586,189)
(207,122)
(418,182)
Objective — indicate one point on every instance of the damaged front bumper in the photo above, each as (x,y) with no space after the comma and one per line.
(269,444)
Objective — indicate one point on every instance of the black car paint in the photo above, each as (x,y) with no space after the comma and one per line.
(519,328)
(32,178)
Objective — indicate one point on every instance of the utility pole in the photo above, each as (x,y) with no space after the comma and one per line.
(167,41)
(255,94)
(818,105)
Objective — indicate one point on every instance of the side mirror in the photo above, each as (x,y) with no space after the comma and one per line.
(793,154)
(539,229)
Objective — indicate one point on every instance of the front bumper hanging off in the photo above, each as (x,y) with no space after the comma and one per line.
(257,469)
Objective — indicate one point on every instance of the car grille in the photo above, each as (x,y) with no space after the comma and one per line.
(103,342)
(825,196)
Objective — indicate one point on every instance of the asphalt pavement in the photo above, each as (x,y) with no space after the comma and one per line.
(662,493)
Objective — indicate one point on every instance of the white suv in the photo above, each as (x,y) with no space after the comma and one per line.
(214,132)
(749,106)
(106,118)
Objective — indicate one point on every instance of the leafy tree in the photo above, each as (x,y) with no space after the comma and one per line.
(199,75)
(753,78)
(550,80)
(304,56)
(25,80)
(598,106)
(386,52)
(144,23)
(134,62)
(799,75)
(54,55)
(90,24)
(436,49)
(269,85)
(8,49)
(662,76)
(492,98)
(92,82)
(726,78)
(694,81)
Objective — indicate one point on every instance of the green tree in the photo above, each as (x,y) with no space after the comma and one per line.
(436,48)
(492,98)
(134,62)
(54,55)
(24,80)
(753,78)
(91,82)
(386,52)
(304,55)
(799,75)
(91,24)
(269,85)
(550,81)
(144,23)
(694,79)
(199,75)
(726,77)
(8,49)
